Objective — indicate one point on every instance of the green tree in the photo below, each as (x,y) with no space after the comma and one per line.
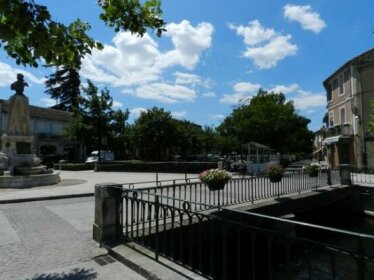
(209,139)
(92,126)
(155,134)
(269,120)
(64,86)
(28,32)
(120,133)
(189,138)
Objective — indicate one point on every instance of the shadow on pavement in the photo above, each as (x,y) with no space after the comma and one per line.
(74,274)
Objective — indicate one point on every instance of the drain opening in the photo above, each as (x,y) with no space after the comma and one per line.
(104,260)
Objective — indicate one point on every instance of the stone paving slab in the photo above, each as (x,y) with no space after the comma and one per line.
(87,271)
(7,233)
(142,261)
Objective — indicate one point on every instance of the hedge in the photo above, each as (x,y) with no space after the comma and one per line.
(169,167)
(73,166)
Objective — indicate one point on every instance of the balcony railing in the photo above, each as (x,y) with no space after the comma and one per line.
(340,129)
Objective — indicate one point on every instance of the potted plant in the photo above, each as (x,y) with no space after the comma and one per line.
(274,172)
(312,169)
(215,179)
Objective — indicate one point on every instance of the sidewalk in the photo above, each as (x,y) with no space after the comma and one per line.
(53,239)
(82,183)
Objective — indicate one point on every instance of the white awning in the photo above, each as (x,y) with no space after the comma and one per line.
(331,140)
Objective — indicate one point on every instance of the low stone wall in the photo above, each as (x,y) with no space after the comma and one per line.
(28,181)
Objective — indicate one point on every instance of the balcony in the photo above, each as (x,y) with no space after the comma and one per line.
(339,130)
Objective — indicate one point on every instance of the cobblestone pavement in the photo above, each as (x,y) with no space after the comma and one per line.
(52,240)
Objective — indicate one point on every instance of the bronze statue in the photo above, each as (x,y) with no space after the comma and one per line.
(19,85)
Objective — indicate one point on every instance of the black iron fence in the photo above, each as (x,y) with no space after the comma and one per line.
(229,244)
(240,189)
(363,175)
(189,224)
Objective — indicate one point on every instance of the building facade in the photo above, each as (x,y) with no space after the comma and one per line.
(349,91)
(46,127)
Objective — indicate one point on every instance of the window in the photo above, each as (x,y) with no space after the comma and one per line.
(331,119)
(329,93)
(342,115)
(341,85)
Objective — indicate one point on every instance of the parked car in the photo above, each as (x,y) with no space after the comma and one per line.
(104,155)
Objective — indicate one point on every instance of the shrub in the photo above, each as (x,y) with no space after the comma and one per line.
(274,172)
(74,166)
(312,169)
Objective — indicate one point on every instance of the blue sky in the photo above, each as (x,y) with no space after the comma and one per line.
(214,54)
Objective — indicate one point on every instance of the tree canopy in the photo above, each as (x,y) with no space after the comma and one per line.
(64,87)
(155,134)
(269,120)
(29,34)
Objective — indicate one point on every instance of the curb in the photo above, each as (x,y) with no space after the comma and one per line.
(130,264)
(52,197)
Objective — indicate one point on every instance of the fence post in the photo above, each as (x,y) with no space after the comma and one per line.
(329,182)
(345,174)
(108,201)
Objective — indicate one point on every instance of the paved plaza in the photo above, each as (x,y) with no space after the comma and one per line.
(52,239)
(80,183)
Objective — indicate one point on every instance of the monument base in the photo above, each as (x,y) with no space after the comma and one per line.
(28,181)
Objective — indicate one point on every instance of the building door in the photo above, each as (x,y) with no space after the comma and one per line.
(343,153)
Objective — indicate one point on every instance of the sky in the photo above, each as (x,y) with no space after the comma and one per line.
(214,54)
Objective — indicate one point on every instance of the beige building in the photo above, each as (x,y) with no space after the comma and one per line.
(46,125)
(350,90)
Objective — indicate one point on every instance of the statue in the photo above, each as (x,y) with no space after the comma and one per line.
(19,113)
(19,85)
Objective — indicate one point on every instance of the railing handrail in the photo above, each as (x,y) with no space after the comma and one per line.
(210,206)
(340,231)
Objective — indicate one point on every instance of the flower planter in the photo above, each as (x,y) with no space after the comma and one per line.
(276,178)
(216,186)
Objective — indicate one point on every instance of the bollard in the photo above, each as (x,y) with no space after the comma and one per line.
(345,174)
(220,164)
(108,200)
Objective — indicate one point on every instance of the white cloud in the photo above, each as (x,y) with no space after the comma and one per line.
(136,61)
(303,100)
(308,19)
(137,111)
(307,100)
(187,78)
(209,94)
(165,93)
(242,91)
(265,46)
(117,104)
(267,56)
(246,87)
(179,115)
(254,33)
(284,89)
(218,117)
(48,102)
(8,75)
(188,41)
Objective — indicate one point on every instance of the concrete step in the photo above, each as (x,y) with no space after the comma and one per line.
(143,262)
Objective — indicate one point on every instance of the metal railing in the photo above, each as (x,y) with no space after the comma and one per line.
(230,244)
(363,175)
(242,189)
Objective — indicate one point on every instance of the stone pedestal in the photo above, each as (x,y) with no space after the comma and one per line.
(11,145)
(17,151)
(107,224)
